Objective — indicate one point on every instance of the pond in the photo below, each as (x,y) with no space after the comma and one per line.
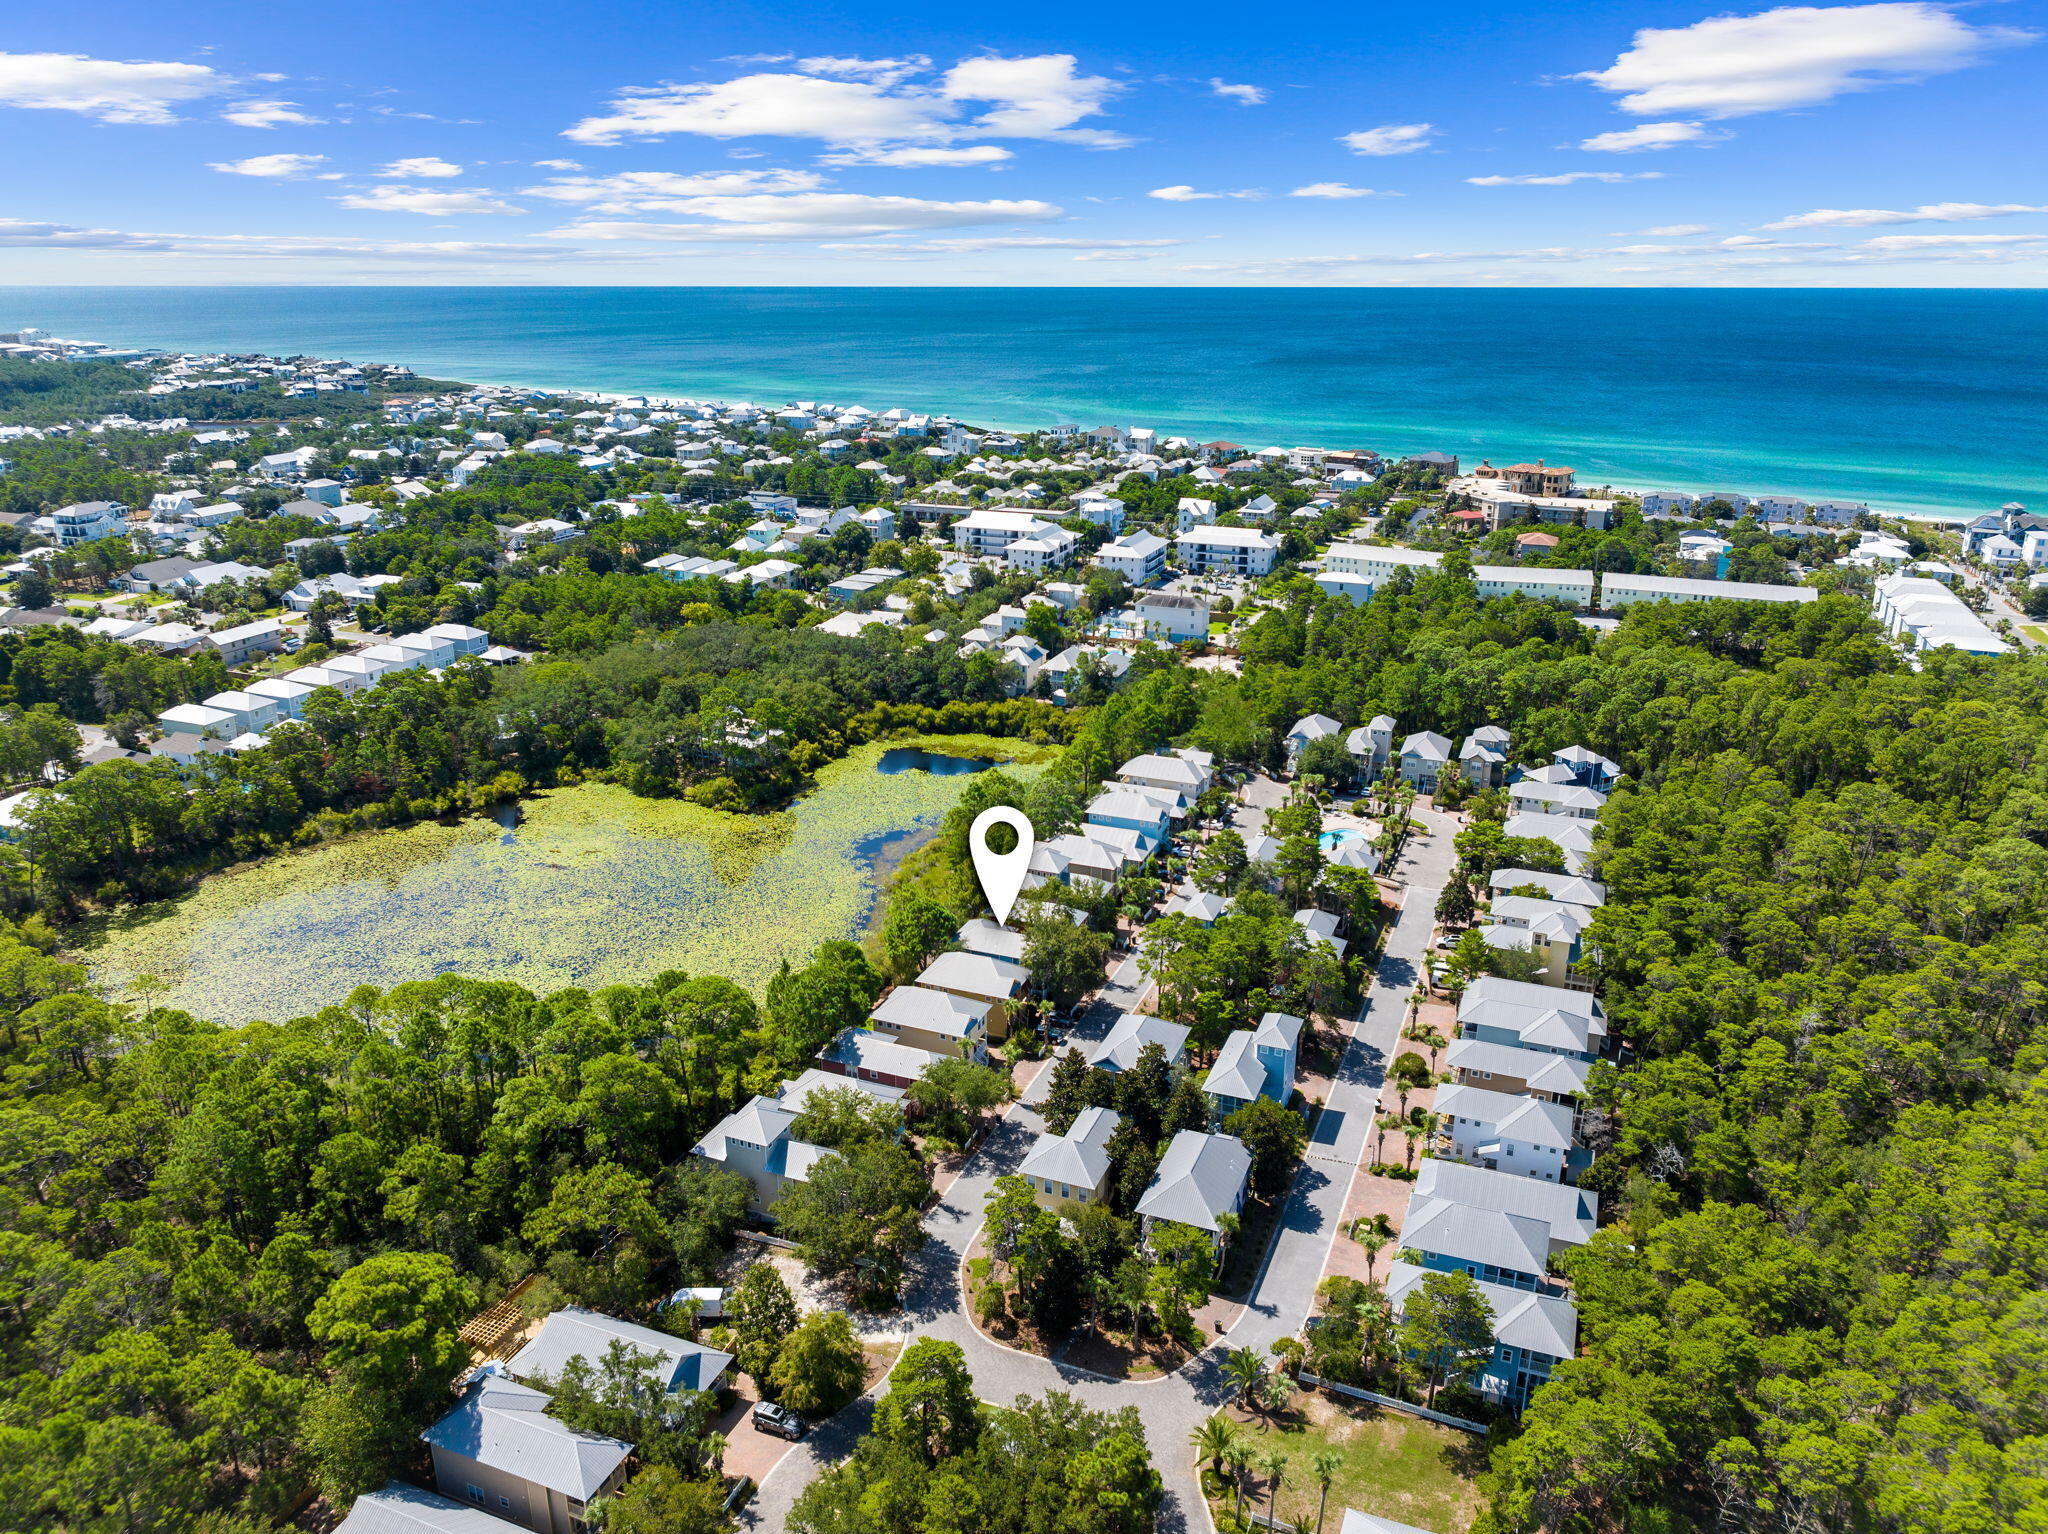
(940,763)
(590,886)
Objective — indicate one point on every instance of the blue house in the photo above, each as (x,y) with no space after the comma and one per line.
(1255,1063)
(1532,1334)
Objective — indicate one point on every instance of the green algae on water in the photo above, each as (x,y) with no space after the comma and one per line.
(595,887)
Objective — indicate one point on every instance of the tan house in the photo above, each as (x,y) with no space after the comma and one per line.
(980,977)
(1071,1168)
(501,1452)
(1525,1072)
(938,1021)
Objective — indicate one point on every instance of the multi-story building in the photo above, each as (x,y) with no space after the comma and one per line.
(1228,550)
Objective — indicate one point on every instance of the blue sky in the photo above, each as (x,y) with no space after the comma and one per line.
(1499,144)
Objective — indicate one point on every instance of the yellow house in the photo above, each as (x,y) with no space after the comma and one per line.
(938,1021)
(979,977)
(1071,1168)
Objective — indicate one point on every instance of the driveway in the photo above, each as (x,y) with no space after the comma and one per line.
(1173,1406)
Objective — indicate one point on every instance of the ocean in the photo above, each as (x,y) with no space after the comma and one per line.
(1928,402)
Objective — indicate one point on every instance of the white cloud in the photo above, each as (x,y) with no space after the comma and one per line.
(769,105)
(1669,231)
(1039,97)
(814,215)
(276,167)
(29,234)
(114,91)
(1754,242)
(1395,138)
(1566,178)
(907,157)
(1189,194)
(558,164)
(269,114)
(1926,213)
(420,165)
(1937,241)
(1036,97)
(1647,136)
(1112,255)
(881,71)
(1337,189)
(1793,56)
(1248,95)
(975,244)
(659,191)
(441,203)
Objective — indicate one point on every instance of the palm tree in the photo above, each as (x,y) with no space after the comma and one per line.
(1215,1439)
(1324,1465)
(1273,1465)
(1240,1459)
(1372,1239)
(1227,1226)
(1244,1369)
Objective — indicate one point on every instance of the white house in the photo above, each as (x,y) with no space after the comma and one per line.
(1504,1131)
(1139,557)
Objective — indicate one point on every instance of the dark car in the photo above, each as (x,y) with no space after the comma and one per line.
(780,1421)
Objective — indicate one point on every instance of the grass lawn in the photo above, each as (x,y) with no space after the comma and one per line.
(2036,632)
(1397,1466)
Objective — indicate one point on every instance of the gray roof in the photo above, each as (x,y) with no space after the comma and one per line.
(863,1049)
(1356,1522)
(1427,746)
(1314,727)
(1572,1213)
(587,1334)
(1541,1016)
(1510,1116)
(506,1426)
(929,1011)
(1238,1071)
(1199,1180)
(997,941)
(1542,1323)
(1539,1069)
(1080,1157)
(401,1509)
(1121,1046)
(1492,1237)
(1568,888)
(975,974)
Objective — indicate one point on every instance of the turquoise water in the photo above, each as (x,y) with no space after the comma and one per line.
(1330,841)
(1929,401)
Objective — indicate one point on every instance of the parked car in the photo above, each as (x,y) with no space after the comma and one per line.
(779,1421)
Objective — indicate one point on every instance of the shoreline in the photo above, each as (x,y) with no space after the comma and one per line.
(1946,517)
(1953,505)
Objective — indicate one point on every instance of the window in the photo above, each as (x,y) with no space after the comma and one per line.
(476,1495)
(503,1500)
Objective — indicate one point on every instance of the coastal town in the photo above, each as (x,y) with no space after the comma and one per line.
(1269,1148)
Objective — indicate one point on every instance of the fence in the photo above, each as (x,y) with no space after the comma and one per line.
(1464,1424)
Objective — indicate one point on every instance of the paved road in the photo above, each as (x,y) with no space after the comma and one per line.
(1172,1407)
(2002,606)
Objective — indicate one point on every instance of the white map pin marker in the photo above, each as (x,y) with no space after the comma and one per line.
(1001,873)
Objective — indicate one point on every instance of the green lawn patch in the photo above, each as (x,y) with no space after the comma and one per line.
(1397,1466)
